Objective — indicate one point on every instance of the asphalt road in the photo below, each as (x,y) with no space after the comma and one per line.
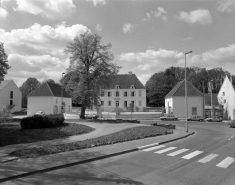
(206,158)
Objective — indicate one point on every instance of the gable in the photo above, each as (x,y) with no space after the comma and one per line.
(226,86)
(56,90)
(179,90)
(125,81)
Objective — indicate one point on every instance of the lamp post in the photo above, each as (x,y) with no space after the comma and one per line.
(186,103)
(211,97)
(62,96)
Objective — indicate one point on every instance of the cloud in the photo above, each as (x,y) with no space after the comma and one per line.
(227,6)
(127,28)
(159,13)
(196,16)
(97,2)
(3,13)
(39,39)
(99,27)
(51,9)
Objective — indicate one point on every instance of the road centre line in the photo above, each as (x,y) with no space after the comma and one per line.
(147,145)
(191,155)
(178,152)
(226,162)
(208,158)
(165,150)
(153,148)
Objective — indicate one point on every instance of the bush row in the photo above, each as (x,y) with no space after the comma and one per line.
(37,121)
(115,121)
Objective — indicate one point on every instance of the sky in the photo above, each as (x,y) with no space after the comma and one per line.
(147,36)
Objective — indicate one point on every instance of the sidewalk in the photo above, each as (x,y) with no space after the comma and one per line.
(26,167)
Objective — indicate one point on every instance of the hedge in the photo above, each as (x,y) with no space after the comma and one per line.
(38,121)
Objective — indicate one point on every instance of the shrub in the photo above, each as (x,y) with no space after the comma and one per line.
(37,121)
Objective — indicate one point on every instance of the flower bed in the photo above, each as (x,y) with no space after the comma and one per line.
(121,136)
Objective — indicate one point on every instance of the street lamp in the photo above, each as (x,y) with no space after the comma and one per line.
(186,103)
(211,97)
(62,95)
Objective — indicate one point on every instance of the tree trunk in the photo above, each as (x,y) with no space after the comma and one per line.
(82,114)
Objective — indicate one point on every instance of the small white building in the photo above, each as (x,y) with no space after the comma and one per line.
(10,96)
(226,97)
(48,98)
(175,100)
(122,90)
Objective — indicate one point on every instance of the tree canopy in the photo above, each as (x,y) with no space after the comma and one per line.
(4,66)
(161,83)
(91,60)
(27,87)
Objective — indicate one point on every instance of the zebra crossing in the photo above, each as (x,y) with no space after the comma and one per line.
(187,154)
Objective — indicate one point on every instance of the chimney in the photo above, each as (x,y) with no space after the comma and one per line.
(130,72)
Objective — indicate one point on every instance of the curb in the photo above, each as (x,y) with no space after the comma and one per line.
(89,160)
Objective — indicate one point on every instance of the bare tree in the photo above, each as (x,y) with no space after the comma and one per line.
(92,61)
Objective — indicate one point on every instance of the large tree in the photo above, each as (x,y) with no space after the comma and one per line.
(27,87)
(3,62)
(91,59)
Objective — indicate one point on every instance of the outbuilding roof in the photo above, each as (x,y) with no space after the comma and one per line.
(124,81)
(179,90)
(49,89)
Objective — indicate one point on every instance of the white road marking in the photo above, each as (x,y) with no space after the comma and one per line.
(147,145)
(165,150)
(178,152)
(191,155)
(208,158)
(226,162)
(153,148)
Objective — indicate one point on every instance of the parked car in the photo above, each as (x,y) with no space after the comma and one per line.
(196,118)
(40,113)
(232,124)
(214,119)
(91,116)
(169,117)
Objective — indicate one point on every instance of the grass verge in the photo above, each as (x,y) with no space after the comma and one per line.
(121,136)
(13,134)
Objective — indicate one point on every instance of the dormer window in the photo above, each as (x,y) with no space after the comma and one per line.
(117,87)
(132,87)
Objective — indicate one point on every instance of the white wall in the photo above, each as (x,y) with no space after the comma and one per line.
(122,98)
(57,102)
(40,103)
(229,96)
(5,96)
(168,105)
(192,101)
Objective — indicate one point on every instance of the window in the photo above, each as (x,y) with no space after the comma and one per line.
(117,87)
(109,94)
(102,94)
(132,87)
(11,94)
(117,103)
(224,101)
(125,93)
(132,93)
(223,93)
(11,102)
(140,93)
(117,93)
(109,103)
(140,103)
(194,110)
(125,103)
(102,103)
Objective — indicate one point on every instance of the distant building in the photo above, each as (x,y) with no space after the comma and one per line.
(10,96)
(47,98)
(226,98)
(175,100)
(121,90)
(217,109)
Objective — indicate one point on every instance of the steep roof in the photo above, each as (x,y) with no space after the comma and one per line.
(4,83)
(49,89)
(125,81)
(179,90)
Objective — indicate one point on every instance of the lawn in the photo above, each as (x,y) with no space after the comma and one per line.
(11,133)
(121,136)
